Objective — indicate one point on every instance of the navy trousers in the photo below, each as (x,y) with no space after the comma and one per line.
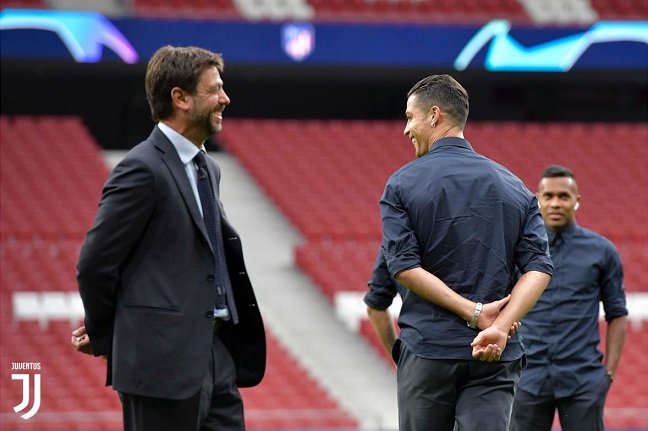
(583,411)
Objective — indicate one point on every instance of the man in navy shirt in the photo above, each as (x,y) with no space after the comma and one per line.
(455,226)
(566,369)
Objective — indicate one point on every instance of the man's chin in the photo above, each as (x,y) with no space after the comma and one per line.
(556,226)
(213,131)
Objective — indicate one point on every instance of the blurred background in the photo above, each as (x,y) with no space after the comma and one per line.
(318,90)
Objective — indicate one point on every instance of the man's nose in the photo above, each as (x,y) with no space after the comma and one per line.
(224,99)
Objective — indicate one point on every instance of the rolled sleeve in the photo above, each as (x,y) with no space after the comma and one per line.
(532,250)
(382,287)
(379,299)
(400,246)
(612,290)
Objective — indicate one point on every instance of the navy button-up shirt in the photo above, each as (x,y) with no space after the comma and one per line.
(470,222)
(561,332)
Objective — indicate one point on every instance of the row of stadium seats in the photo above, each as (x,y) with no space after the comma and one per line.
(421,11)
(34,153)
(52,172)
(540,12)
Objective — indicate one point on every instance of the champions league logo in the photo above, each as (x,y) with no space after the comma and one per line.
(84,33)
(298,40)
(26,387)
(505,53)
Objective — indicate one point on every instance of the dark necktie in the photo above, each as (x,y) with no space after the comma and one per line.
(211,216)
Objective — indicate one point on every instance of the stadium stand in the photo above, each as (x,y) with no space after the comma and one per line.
(538,12)
(419,11)
(41,235)
(326,177)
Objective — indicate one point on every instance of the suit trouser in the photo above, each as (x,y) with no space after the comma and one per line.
(433,394)
(217,406)
(582,411)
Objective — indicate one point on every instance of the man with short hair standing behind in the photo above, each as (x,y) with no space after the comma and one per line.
(161,272)
(455,226)
(566,370)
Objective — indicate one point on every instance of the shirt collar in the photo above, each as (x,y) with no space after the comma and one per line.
(450,142)
(566,233)
(185,148)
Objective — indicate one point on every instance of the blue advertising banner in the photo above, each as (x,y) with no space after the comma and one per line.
(89,37)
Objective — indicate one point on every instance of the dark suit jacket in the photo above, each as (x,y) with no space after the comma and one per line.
(143,276)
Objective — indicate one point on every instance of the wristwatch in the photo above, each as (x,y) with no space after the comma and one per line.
(478,309)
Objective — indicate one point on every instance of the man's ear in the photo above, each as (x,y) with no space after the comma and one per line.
(433,114)
(180,98)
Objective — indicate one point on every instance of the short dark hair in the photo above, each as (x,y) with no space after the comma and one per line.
(554,171)
(175,67)
(445,92)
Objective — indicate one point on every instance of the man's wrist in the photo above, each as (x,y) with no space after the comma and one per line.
(478,309)
(610,375)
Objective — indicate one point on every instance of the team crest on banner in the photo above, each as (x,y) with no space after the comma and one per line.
(298,40)
(26,397)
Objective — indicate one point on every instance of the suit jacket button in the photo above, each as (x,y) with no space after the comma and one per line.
(210,277)
(210,314)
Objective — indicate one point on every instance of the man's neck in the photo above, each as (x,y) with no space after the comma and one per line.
(182,129)
(451,132)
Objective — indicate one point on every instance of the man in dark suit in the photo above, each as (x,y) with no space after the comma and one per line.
(167,298)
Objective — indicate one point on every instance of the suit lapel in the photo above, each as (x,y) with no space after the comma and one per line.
(177,169)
